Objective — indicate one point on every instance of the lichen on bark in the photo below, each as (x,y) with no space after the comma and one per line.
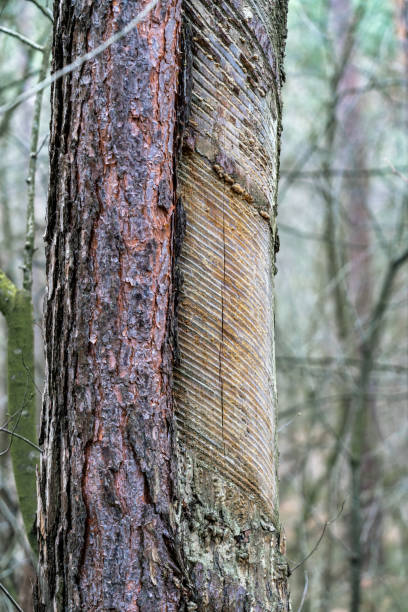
(232,548)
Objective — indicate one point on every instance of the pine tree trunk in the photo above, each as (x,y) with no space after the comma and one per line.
(158,486)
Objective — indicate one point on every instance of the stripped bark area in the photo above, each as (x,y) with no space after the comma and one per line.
(158,490)
(225,391)
(105,533)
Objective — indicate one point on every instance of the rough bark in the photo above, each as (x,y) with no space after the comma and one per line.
(134,514)
(105,532)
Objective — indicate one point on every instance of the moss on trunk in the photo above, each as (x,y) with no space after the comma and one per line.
(17,308)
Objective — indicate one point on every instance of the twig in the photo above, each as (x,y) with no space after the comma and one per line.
(10,598)
(16,435)
(398,173)
(380,308)
(372,86)
(401,259)
(302,601)
(32,167)
(10,418)
(326,361)
(10,516)
(38,151)
(289,229)
(44,10)
(285,425)
(345,172)
(31,377)
(18,81)
(81,60)
(21,38)
(315,547)
(4,452)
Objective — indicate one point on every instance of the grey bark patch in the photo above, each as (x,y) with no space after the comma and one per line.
(165,195)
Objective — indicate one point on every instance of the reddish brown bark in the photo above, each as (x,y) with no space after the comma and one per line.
(125,521)
(106,476)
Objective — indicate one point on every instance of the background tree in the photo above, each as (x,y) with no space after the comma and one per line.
(343,364)
(21,146)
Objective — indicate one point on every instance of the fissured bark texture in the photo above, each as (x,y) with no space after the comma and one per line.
(158,478)
(105,535)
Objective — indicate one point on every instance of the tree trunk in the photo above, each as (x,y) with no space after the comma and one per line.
(158,487)
(365,469)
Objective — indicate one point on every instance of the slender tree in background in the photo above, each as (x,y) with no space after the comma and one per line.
(353,300)
(158,486)
(345,366)
(17,307)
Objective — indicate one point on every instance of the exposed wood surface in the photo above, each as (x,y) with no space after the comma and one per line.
(225,395)
(224,385)
(225,389)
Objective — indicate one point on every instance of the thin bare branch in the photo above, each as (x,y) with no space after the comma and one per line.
(19,81)
(396,171)
(346,172)
(43,9)
(19,415)
(16,435)
(302,601)
(38,151)
(372,86)
(21,38)
(315,547)
(10,598)
(32,167)
(81,60)
(340,361)
(380,308)
(289,229)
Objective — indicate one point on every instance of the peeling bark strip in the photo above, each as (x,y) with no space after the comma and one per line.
(105,485)
(131,515)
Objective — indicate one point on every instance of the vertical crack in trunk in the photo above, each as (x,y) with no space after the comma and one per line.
(222,327)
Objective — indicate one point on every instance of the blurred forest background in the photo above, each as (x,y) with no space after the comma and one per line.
(342,308)
(342,320)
